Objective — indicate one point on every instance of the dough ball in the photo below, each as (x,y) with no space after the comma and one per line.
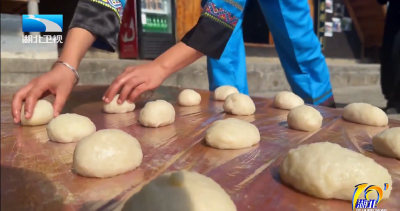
(287,100)
(304,118)
(223,91)
(239,104)
(157,114)
(329,171)
(107,153)
(189,97)
(43,113)
(181,191)
(366,114)
(114,108)
(67,128)
(387,143)
(232,133)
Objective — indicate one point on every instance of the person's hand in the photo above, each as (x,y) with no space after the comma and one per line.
(59,82)
(134,81)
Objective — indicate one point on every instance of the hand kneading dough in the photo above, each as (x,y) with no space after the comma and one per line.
(287,100)
(107,153)
(181,191)
(114,108)
(304,118)
(42,114)
(329,171)
(67,128)
(387,143)
(189,97)
(232,133)
(239,104)
(223,91)
(366,114)
(157,114)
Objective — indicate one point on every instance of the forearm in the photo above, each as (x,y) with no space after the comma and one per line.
(76,45)
(177,57)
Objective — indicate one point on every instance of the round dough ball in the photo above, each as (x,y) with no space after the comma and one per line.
(232,133)
(287,100)
(239,104)
(43,113)
(189,97)
(387,143)
(304,118)
(157,114)
(114,108)
(181,191)
(223,91)
(366,114)
(329,171)
(107,153)
(67,128)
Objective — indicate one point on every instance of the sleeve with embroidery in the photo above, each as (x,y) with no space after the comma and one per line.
(102,18)
(215,26)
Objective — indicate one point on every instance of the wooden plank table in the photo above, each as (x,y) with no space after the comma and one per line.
(36,173)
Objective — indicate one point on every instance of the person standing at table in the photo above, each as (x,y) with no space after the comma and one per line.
(97,22)
(298,49)
(390,57)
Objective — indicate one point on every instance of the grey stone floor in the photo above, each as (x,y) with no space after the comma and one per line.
(346,95)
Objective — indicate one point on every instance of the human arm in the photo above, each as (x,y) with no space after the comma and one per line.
(91,21)
(208,37)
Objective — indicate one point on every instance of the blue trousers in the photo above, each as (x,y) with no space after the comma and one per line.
(298,48)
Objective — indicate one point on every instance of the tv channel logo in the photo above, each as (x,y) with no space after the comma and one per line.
(42,23)
(367,203)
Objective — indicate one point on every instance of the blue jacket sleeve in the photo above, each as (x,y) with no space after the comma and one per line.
(215,26)
(101,18)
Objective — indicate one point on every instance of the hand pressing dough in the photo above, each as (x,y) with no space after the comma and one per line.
(287,100)
(157,114)
(329,171)
(366,114)
(67,128)
(181,191)
(232,133)
(223,91)
(107,153)
(43,113)
(189,97)
(239,104)
(304,118)
(114,108)
(387,143)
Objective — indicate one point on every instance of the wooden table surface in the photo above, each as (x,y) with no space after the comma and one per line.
(36,174)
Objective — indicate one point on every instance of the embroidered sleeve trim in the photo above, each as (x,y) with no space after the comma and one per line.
(115,5)
(219,15)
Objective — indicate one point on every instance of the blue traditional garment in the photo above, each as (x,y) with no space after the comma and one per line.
(296,43)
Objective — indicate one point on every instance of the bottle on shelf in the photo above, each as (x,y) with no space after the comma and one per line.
(165,6)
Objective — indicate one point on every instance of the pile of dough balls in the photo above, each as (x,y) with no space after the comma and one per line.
(329,171)
(304,118)
(189,97)
(114,108)
(287,100)
(107,153)
(157,114)
(68,128)
(181,191)
(366,114)
(232,133)
(387,143)
(222,92)
(239,104)
(43,113)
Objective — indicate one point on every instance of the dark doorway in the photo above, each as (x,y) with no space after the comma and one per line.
(255,29)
